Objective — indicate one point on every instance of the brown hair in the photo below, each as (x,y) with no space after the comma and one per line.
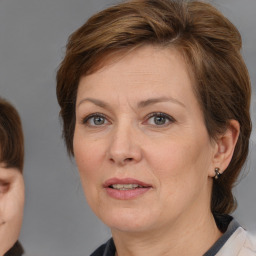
(11,137)
(210,44)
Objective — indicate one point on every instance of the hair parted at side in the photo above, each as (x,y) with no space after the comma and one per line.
(211,46)
(11,137)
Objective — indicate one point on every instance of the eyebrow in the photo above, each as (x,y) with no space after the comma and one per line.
(141,104)
(96,102)
(151,101)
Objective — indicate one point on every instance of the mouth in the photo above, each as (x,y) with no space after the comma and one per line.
(125,186)
(125,189)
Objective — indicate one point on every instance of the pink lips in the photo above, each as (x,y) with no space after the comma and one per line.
(125,194)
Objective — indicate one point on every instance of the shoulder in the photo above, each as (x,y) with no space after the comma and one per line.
(107,249)
(249,247)
(241,243)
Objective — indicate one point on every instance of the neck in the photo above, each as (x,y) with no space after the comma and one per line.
(195,236)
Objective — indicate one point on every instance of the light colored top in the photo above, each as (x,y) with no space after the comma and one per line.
(241,243)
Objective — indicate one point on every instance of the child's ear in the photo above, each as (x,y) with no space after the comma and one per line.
(225,146)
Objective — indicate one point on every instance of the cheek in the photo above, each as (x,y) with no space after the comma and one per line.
(13,204)
(183,153)
(173,158)
(180,165)
(11,213)
(89,157)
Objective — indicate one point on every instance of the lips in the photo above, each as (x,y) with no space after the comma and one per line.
(125,189)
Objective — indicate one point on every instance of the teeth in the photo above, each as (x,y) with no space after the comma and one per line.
(125,186)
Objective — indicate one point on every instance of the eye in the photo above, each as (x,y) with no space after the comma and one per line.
(160,119)
(96,119)
(4,187)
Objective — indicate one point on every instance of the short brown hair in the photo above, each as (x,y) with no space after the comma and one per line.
(210,44)
(11,137)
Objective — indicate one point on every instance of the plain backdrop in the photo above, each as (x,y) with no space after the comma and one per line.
(33,34)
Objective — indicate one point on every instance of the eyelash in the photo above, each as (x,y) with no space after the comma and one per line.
(163,115)
(87,118)
(4,186)
(169,118)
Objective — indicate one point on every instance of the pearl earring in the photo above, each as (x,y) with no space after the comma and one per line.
(217,173)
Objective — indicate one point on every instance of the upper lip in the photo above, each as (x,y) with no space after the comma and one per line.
(113,181)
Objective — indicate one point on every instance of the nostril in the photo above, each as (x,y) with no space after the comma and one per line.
(122,161)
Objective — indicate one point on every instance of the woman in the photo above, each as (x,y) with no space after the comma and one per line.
(11,179)
(155,98)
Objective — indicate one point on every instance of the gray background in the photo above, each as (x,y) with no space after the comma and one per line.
(33,35)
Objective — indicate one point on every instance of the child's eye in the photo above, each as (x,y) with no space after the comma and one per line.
(4,186)
(160,119)
(95,120)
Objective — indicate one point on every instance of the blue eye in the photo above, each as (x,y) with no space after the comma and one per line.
(159,119)
(98,120)
(95,120)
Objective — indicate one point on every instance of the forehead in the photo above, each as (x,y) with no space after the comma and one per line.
(7,172)
(148,68)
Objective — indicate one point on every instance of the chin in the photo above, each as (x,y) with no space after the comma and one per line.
(128,219)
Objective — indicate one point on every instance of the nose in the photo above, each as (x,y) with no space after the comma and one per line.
(124,147)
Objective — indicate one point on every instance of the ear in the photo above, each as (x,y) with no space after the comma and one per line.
(225,146)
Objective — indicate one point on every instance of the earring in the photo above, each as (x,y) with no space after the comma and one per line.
(217,173)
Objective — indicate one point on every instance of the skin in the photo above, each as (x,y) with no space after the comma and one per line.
(177,158)
(11,206)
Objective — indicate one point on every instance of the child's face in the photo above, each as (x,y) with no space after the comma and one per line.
(11,206)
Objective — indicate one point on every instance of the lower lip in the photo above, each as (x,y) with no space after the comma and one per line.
(126,194)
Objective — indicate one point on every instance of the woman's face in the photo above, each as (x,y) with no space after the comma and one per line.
(11,206)
(140,143)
